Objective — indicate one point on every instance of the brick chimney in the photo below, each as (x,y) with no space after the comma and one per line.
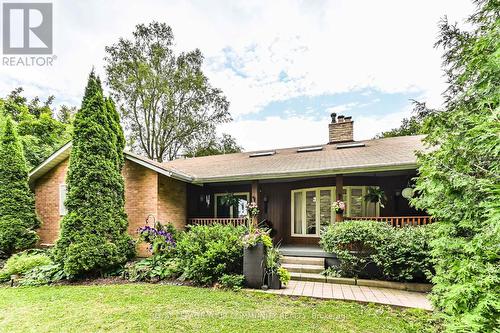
(340,129)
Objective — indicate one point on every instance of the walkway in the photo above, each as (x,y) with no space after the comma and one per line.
(387,296)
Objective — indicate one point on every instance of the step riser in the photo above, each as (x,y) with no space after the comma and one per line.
(304,261)
(311,278)
(299,270)
(306,269)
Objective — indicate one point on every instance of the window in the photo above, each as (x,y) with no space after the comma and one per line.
(62,197)
(311,208)
(223,210)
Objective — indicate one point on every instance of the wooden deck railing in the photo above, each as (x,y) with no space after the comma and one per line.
(211,221)
(395,221)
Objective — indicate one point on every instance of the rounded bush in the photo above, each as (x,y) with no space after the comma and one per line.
(207,253)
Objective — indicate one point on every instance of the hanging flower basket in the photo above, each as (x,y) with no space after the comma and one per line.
(339,207)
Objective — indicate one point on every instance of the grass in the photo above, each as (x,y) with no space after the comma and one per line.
(163,308)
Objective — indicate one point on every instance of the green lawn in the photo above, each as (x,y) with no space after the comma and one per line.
(163,308)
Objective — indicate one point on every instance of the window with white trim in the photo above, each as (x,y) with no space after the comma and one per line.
(224,210)
(311,208)
(62,197)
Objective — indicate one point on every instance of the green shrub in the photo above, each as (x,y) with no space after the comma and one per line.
(284,275)
(42,275)
(94,238)
(208,252)
(400,254)
(18,220)
(406,256)
(355,243)
(154,268)
(21,263)
(232,281)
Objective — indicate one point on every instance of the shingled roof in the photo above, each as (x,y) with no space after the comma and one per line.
(376,155)
(396,153)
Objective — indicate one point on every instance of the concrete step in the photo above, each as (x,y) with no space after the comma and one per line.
(300,268)
(303,260)
(313,277)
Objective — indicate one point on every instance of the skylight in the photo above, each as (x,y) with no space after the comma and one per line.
(350,145)
(306,149)
(264,153)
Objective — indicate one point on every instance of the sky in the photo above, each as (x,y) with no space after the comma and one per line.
(283,65)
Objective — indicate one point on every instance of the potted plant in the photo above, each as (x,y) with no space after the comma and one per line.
(255,243)
(229,199)
(339,208)
(376,195)
(273,263)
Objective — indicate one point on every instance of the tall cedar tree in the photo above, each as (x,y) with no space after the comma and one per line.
(459,181)
(94,235)
(18,219)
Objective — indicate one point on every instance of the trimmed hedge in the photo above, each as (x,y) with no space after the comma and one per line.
(399,254)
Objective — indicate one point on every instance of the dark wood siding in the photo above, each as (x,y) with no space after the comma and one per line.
(278,194)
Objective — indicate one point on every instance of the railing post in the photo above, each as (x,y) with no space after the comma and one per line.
(255,198)
(339,193)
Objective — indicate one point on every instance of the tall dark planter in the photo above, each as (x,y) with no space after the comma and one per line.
(254,265)
(273,281)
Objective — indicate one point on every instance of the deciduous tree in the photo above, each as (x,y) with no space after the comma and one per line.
(165,99)
(213,146)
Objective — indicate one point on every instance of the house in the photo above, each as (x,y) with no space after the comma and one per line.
(293,187)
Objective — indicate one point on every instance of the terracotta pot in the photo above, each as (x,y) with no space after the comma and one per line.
(339,217)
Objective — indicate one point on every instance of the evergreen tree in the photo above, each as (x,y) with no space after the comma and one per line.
(459,181)
(94,235)
(18,219)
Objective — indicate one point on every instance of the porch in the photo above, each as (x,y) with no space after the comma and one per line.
(295,209)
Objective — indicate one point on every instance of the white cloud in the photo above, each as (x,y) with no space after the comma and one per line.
(342,107)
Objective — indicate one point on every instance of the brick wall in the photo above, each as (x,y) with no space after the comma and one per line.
(172,205)
(145,193)
(47,202)
(141,196)
(341,131)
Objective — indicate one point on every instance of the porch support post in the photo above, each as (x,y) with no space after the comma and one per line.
(339,189)
(255,198)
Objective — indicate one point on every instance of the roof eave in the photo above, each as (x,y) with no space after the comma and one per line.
(63,153)
(57,157)
(309,173)
(165,172)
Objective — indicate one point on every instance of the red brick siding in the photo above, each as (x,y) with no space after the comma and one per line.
(47,202)
(141,196)
(172,197)
(145,193)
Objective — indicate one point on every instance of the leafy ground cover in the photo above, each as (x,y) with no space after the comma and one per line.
(167,308)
